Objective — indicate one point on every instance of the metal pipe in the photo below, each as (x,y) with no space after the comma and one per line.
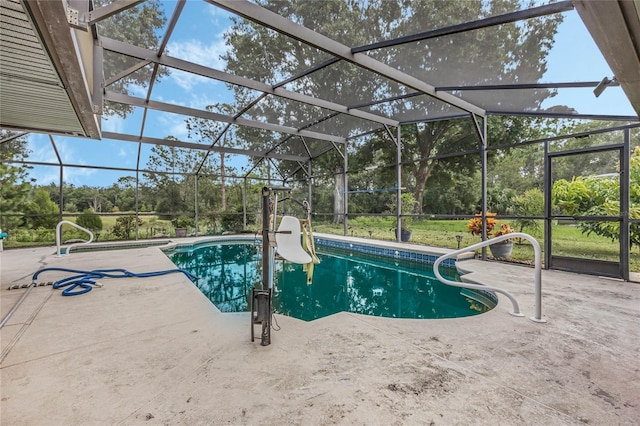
(483,159)
(345,199)
(398,185)
(18,303)
(625,203)
(548,184)
(310,187)
(265,238)
(196,204)
(244,203)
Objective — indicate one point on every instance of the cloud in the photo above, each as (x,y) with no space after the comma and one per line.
(42,152)
(187,81)
(113,124)
(218,15)
(138,90)
(199,53)
(41,149)
(173,125)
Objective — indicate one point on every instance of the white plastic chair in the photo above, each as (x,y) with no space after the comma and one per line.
(289,245)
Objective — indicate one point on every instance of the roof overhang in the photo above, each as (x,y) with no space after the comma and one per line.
(45,84)
(615,28)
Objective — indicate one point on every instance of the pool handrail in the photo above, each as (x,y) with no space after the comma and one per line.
(514,302)
(59,235)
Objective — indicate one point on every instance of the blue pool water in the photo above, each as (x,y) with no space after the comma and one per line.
(343,281)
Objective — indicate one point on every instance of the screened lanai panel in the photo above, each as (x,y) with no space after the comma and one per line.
(104,153)
(40,149)
(163,125)
(520,100)
(557,101)
(146,151)
(344,125)
(347,84)
(427,140)
(117,26)
(46,175)
(259,141)
(258,144)
(286,112)
(293,145)
(198,35)
(515,170)
(196,91)
(120,69)
(587,141)
(319,147)
(507,53)
(635,139)
(130,123)
(359,22)
(234,164)
(416,108)
(249,50)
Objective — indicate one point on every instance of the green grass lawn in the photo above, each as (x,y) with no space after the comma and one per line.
(567,240)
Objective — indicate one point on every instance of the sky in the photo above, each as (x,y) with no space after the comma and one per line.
(198,38)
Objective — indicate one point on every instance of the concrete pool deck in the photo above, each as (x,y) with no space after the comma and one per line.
(156,351)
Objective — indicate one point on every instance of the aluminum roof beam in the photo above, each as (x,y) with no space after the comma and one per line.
(146,54)
(105,12)
(523,86)
(197,146)
(566,115)
(192,112)
(156,67)
(284,26)
(535,12)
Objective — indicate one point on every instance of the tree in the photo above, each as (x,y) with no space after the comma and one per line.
(173,178)
(138,26)
(14,182)
(529,203)
(208,131)
(600,196)
(40,211)
(511,53)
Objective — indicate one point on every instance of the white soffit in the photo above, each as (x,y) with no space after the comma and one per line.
(43,85)
(615,28)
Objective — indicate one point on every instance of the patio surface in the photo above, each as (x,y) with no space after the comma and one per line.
(156,351)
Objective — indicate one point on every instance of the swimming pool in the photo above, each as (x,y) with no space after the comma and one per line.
(345,280)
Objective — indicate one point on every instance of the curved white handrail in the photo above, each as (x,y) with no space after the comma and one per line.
(75,225)
(537,273)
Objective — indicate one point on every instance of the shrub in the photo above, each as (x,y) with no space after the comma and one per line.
(475,225)
(504,229)
(529,203)
(182,222)
(231,221)
(90,220)
(124,226)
